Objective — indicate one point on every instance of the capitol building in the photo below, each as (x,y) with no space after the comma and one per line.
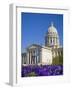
(37,54)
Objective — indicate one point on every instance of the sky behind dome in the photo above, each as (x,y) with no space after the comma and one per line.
(35,25)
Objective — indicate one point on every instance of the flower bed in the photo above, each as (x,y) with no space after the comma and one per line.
(43,70)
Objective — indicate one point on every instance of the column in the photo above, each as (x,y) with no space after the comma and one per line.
(58,41)
(38,56)
(35,57)
(30,57)
(23,59)
(52,41)
(27,57)
(55,40)
(48,40)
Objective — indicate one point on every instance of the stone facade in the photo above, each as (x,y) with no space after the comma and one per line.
(36,54)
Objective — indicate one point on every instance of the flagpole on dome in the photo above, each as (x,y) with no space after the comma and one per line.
(52,24)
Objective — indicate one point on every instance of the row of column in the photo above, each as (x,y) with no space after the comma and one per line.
(53,41)
(32,57)
(57,53)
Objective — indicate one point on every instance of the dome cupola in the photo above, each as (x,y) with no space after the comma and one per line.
(52,38)
(52,29)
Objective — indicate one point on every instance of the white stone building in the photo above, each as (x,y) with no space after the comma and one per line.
(36,54)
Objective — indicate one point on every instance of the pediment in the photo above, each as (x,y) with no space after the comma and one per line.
(34,46)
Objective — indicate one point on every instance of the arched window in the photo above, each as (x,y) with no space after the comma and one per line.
(51,41)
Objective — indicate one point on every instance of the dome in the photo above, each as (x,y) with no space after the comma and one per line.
(52,29)
(52,37)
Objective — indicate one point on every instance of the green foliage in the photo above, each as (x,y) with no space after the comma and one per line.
(58,60)
(31,74)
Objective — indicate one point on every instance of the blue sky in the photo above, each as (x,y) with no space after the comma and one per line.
(35,25)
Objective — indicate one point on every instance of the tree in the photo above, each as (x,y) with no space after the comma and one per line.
(58,60)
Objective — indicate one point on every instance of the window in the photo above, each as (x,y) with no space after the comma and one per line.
(51,41)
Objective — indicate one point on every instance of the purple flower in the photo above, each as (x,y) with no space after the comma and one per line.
(43,70)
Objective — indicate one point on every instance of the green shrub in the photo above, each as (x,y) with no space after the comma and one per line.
(31,74)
